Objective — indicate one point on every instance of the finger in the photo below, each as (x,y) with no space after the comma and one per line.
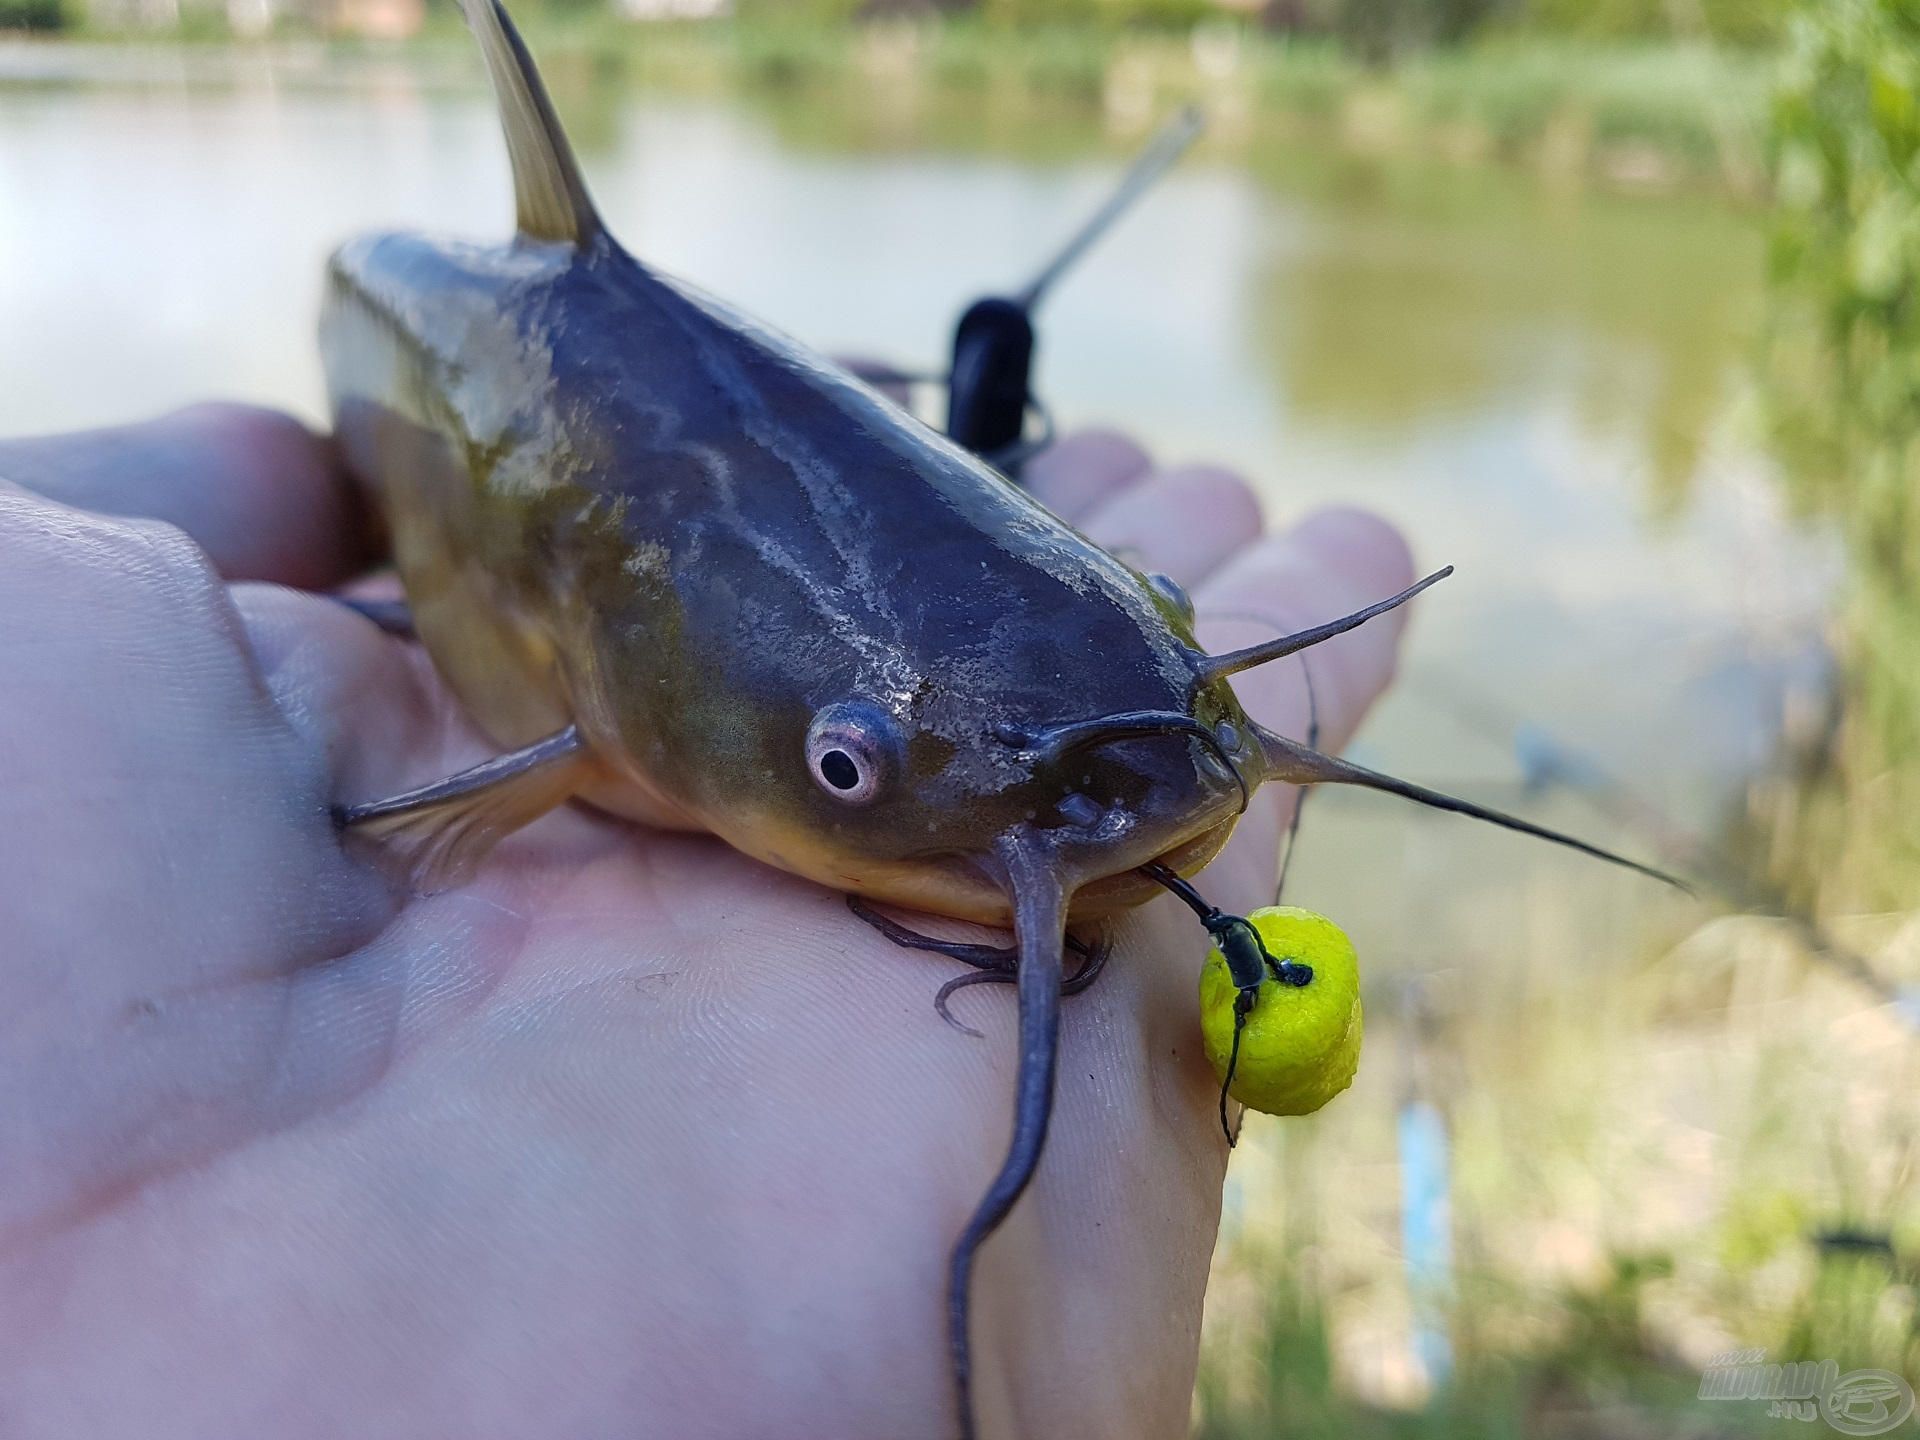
(1332,563)
(182,870)
(1083,471)
(264,497)
(1183,522)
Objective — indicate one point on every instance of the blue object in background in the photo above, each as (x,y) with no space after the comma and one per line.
(1426,1234)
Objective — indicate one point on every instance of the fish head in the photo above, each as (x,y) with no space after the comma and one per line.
(1093,738)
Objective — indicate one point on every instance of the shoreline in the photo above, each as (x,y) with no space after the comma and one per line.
(1641,117)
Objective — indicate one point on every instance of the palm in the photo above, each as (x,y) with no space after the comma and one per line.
(631,1134)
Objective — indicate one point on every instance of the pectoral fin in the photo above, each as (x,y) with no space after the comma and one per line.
(393,616)
(442,831)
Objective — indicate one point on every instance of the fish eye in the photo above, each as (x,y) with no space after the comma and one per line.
(851,750)
(1081,810)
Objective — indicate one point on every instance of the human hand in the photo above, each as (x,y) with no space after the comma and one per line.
(629,1136)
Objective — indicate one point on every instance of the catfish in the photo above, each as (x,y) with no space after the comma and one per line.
(678,567)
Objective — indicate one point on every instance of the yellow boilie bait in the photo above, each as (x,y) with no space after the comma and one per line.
(1290,1045)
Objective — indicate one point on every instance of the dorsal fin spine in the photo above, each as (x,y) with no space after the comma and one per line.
(550,198)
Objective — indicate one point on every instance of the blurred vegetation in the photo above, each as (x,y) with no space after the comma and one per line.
(1716,1147)
(1376,29)
(1639,113)
(1739,22)
(1846,395)
(1591,1375)
(1643,91)
(33,15)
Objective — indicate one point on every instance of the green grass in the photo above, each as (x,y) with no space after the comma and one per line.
(1682,112)
(1685,102)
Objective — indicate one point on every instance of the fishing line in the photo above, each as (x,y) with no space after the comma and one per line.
(1300,799)
(1313,737)
(1243,1002)
(1227,1127)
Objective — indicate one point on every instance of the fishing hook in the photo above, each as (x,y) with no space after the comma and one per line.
(1249,962)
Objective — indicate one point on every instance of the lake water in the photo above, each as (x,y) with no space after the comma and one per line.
(1543,385)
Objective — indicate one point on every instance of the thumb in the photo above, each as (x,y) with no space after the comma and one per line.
(262,495)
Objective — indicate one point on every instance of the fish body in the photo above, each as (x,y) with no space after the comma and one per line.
(616,503)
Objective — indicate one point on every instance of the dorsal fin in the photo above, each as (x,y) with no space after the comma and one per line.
(549,197)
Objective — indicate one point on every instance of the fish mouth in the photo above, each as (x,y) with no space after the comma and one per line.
(961,888)
(1128,888)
